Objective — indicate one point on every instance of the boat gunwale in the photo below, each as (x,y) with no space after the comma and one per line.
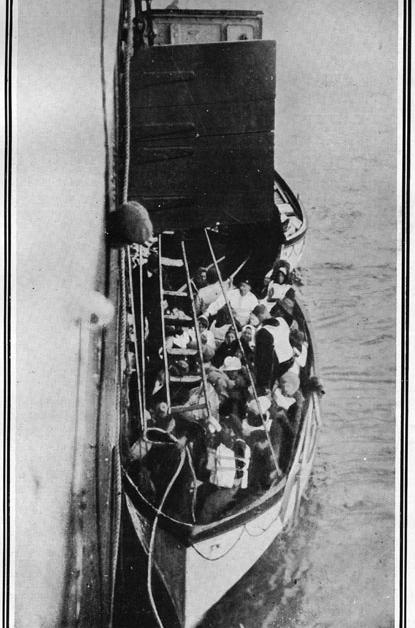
(189,533)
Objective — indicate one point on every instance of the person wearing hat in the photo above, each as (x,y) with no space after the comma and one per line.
(241,300)
(274,354)
(285,308)
(278,286)
(231,366)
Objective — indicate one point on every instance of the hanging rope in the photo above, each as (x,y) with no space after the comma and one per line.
(137,357)
(128,55)
(251,379)
(153,537)
(142,334)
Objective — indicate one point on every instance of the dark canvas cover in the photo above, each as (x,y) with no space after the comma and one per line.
(202,133)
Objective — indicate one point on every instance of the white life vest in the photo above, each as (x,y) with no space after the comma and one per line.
(281,336)
(277,291)
(224,471)
(246,460)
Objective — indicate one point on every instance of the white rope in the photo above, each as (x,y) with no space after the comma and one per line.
(153,537)
(137,361)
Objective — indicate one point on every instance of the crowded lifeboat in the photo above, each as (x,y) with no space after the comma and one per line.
(216,377)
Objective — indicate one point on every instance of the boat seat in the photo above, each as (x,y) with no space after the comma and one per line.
(186,379)
(178,322)
(178,351)
(175,293)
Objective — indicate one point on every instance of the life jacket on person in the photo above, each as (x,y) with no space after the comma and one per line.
(281,338)
(242,457)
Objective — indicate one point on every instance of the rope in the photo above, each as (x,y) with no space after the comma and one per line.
(153,536)
(163,331)
(128,55)
(142,334)
(212,560)
(194,495)
(137,361)
(251,379)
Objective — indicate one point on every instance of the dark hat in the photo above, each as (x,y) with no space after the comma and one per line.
(297,338)
(286,305)
(247,281)
(211,275)
(281,264)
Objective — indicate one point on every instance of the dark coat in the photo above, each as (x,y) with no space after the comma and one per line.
(265,357)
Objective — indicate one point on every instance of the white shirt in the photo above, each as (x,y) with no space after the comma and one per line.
(278,290)
(208,295)
(241,304)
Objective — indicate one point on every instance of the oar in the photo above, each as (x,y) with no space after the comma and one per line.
(239,268)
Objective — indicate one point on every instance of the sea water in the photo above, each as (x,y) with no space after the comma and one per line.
(336,146)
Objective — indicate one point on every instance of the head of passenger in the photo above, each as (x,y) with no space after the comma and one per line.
(244,287)
(260,312)
(232,367)
(162,419)
(231,430)
(248,334)
(297,338)
(280,272)
(289,383)
(284,308)
(281,276)
(230,336)
(203,323)
(257,412)
(200,277)
(211,275)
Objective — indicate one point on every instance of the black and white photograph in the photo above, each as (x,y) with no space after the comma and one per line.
(206,314)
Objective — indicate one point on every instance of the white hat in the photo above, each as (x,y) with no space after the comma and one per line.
(264,404)
(231,363)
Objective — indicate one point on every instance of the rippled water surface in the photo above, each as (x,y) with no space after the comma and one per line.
(336,145)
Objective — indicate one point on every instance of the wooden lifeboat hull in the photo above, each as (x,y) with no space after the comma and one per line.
(199,570)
